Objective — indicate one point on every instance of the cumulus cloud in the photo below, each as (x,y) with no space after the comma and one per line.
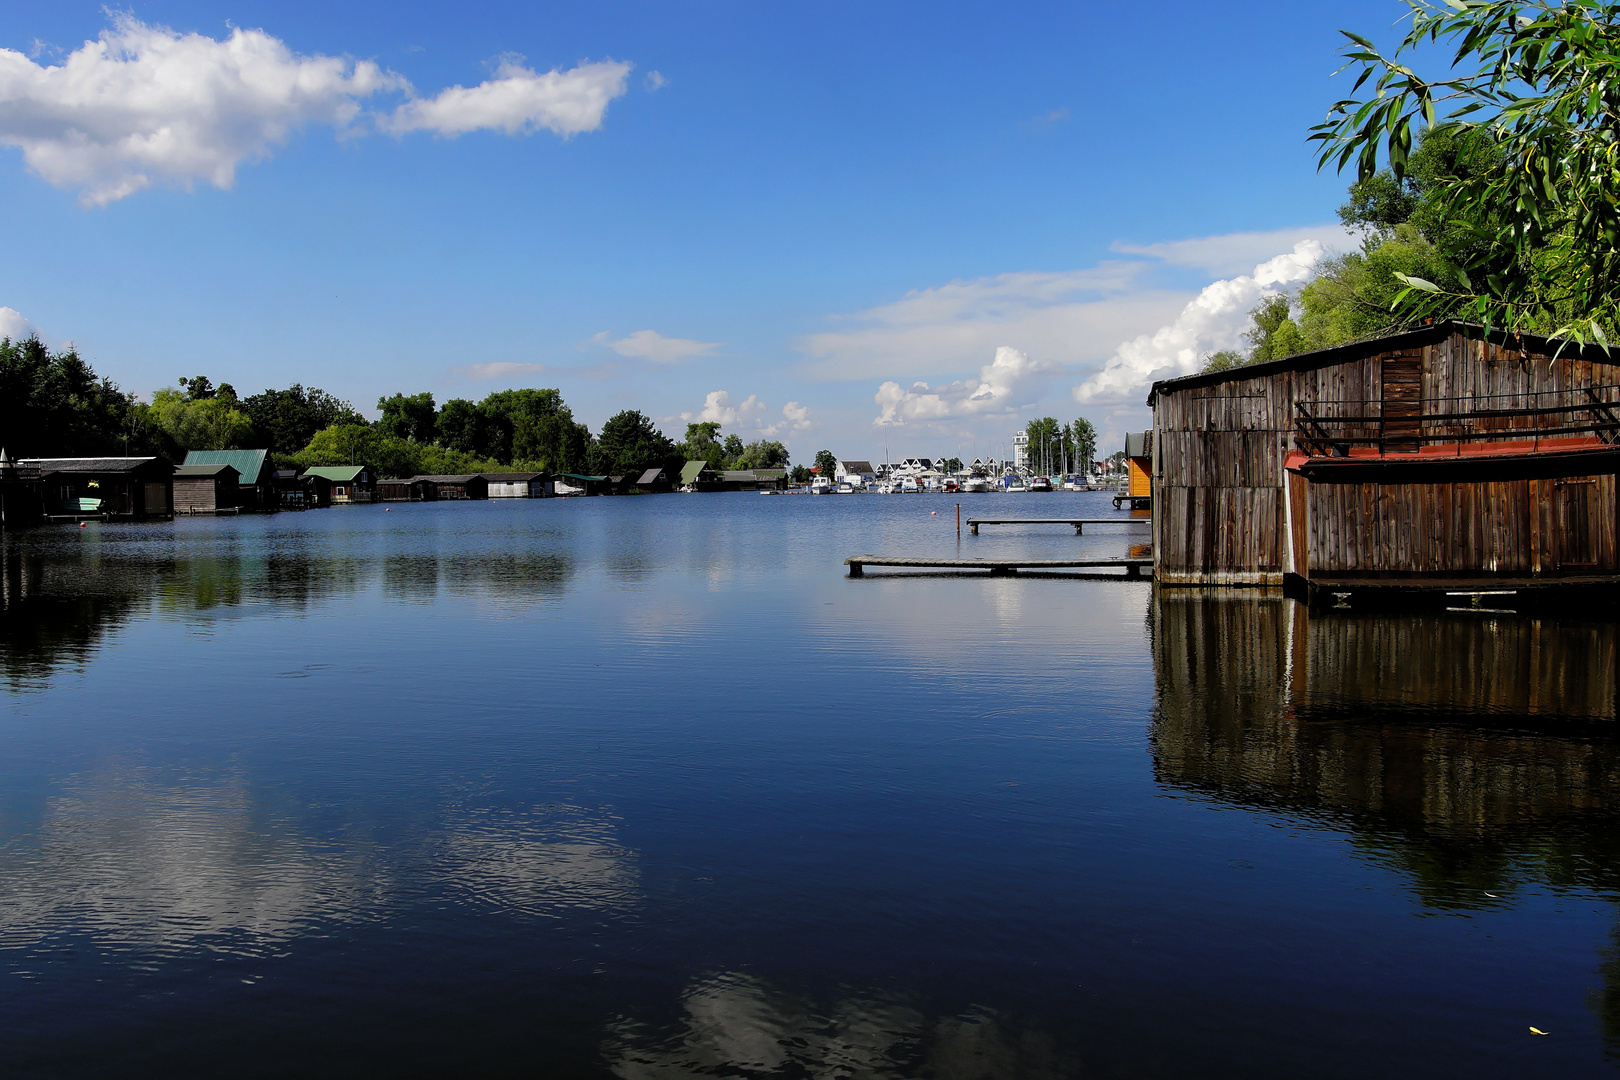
(13,325)
(142,105)
(1070,317)
(718,409)
(519,101)
(1215,319)
(654,80)
(796,417)
(651,345)
(1009,380)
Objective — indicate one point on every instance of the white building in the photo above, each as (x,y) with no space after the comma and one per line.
(853,470)
(1021,451)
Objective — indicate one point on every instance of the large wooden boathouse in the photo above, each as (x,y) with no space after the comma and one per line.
(1447,454)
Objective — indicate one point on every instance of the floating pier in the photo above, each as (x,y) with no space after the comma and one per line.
(1078,523)
(998,567)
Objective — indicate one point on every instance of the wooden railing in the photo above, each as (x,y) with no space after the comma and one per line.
(1334,428)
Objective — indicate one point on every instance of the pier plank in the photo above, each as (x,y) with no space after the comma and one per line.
(1078,523)
(997,567)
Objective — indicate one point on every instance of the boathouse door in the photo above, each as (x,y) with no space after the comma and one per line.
(1575,502)
(1402,403)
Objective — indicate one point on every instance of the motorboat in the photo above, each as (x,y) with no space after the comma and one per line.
(1040,483)
(1012,482)
(821,485)
(846,488)
(951,485)
(976,484)
(909,485)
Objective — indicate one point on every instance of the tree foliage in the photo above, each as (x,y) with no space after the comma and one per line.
(207,422)
(629,444)
(52,404)
(414,417)
(285,420)
(1533,94)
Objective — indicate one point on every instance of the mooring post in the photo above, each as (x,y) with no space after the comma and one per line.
(856,570)
(959,521)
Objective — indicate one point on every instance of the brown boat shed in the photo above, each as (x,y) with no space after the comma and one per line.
(453,487)
(206,489)
(1447,455)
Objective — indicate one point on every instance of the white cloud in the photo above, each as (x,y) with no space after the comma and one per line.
(499,369)
(1215,319)
(651,345)
(519,101)
(143,105)
(14,325)
(797,417)
(1010,380)
(1232,254)
(1069,317)
(654,80)
(718,409)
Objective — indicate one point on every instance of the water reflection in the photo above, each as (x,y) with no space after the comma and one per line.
(1474,755)
(544,861)
(64,591)
(737,1025)
(137,860)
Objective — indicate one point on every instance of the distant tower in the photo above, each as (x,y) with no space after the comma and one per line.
(1021,451)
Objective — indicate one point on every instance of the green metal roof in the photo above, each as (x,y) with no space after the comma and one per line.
(338,474)
(691,470)
(249,463)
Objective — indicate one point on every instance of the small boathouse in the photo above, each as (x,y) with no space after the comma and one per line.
(1444,455)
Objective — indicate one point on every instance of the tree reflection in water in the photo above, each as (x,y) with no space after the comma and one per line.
(1473,753)
(64,591)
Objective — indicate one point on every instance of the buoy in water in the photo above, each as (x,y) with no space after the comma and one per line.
(83,524)
(933,513)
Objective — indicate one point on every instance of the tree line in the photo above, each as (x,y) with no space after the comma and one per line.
(53,404)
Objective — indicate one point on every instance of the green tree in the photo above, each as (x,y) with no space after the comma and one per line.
(951,464)
(285,420)
(702,443)
(1275,334)
(1045,443)
(800,474)
(826,464)
(460,426)
(210,422)
(1533,89)
(629,443)
(1082,444)
(387,455)
(52,404)
(764,454)
(414,417)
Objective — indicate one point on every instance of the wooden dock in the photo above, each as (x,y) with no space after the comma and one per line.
(1078,523)
(998,567)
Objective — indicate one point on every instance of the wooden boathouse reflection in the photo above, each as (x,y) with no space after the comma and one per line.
(1471,752)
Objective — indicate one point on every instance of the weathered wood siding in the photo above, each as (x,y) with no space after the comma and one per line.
(1225,513)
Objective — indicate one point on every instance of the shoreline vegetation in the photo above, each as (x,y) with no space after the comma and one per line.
(53,404)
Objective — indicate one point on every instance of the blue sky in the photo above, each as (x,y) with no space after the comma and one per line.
(784,217)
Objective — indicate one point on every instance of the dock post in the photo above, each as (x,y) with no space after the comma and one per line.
(856,570)
(1132,570)
(959,521)
(973,526)
(1079,528)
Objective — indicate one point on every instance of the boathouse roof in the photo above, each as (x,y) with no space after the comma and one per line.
(1356,350)
(512,477)
(90,464)
(338,474)
(203,470)
(248,463)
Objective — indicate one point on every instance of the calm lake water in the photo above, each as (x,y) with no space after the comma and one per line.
(645,787)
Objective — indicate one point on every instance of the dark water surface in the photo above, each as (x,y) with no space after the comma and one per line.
(647,788)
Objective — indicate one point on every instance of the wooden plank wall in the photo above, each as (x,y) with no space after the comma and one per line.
(1220,505)
(1510,527)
